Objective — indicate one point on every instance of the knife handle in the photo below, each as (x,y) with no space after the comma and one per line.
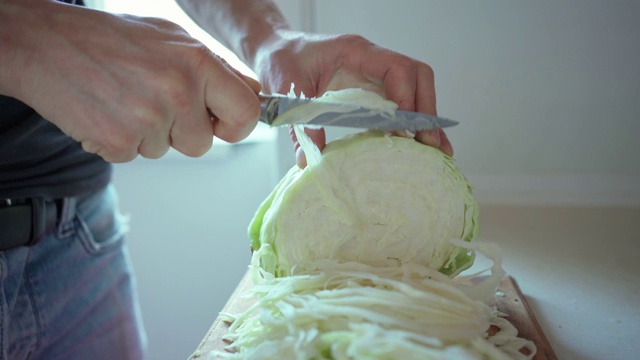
(269,108)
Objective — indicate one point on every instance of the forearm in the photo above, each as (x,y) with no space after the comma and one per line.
(18,34)
(243,26)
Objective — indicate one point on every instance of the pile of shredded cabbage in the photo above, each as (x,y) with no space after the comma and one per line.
(333,310)
(337,308)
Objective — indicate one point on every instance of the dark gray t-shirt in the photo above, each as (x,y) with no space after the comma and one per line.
(38,159)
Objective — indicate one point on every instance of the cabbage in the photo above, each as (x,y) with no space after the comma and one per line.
(372,198)
(357,256)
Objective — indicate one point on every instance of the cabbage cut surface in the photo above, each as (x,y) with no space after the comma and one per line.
(372,198)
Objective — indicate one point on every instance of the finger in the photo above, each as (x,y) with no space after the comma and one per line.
(192,135)
(343,79)
(425,89)
(412,87)
(400,133)
(192,129)
(400,87)
(318,136)
(155,145)
(445,146)
(253,83)
(118,154)
(429,137)
(152,129)
(426,103)
(233,102)
(396,72)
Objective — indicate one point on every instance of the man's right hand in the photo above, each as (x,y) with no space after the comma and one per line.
(121,85)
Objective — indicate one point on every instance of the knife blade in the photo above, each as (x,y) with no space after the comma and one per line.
(348,115)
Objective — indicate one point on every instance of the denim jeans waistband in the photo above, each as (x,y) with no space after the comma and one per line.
(25,221)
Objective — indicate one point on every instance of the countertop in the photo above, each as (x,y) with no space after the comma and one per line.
(579,269)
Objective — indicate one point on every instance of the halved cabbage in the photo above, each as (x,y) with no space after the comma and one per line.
(372,198)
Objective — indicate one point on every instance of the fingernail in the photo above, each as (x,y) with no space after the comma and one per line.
(429,137)
(301,159)
(436,137)
(446,146)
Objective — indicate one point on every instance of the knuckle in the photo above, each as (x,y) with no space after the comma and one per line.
(120,145)
(153,154)
(174,87)
(203,149)
(250,114)
(148,118)
(118,157)
(126,157)
(191,141)
(425,69)
(243,122)
(230,135)
(164,25)
(202,57)
(114,143)
(153,123)
(404,62)
(353,38)
(196,149)
(111,141)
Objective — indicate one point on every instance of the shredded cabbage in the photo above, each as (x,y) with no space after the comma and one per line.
(333,310)
(348,100)
(358,256)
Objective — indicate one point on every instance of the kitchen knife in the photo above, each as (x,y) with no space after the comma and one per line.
(348,115)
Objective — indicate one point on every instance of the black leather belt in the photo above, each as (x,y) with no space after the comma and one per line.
(23,222)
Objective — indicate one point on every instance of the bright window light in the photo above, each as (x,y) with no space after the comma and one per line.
(170,10)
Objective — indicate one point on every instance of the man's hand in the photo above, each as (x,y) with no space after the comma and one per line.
(259,34)
(318,63)
(122,85)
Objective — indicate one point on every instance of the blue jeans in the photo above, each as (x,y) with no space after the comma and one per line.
(72,295)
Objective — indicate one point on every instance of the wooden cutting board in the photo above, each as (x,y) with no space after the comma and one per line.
(511,301)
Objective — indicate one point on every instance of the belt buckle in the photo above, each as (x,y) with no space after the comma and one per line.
(6,202)
(24,221)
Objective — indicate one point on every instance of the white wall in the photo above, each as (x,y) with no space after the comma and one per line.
(188,237)
(546,91)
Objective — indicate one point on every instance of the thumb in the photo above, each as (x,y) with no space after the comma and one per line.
(233,101)
(253,83)
(318,137)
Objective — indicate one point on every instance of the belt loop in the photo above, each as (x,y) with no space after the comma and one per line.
(67,215)
(38,222)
